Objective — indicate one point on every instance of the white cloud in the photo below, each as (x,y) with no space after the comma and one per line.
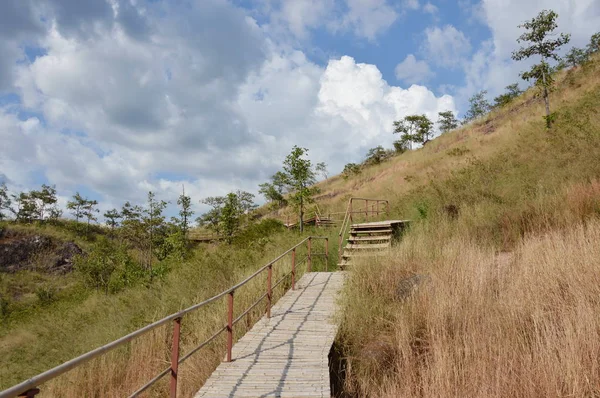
(411,4)
(446,46)
(367,18)
(430,9)
(413,71)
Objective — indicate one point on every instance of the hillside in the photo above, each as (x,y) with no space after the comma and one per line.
(503,249)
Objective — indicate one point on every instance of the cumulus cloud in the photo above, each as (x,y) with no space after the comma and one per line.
(413,71)
(446,46)
(149,98)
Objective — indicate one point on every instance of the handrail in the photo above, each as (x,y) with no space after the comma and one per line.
(29,385)
(366,210)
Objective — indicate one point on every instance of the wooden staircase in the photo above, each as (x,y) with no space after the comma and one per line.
(367,240)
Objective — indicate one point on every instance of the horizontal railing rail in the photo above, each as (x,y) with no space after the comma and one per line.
(29,387)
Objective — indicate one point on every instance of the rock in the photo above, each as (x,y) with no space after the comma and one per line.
(407,286)
(19,251)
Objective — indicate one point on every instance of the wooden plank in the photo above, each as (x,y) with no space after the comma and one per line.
(286,355)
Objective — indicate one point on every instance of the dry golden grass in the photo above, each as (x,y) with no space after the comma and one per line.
(523,324)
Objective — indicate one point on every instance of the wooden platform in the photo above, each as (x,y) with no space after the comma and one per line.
(287,355)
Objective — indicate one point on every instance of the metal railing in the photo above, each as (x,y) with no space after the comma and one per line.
(29,388)
(371,210)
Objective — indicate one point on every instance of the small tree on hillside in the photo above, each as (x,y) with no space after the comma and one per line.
(185,213)
(322,169)
(447,121)
(414,128)
(77,205)
(5,201)
(538,29)
(112,218)
(89,212)
(25,210)
(512,92)
(594,45)
(576,56)
(212,218)
(300,178)
(350,169)
(154,223)
(375,155)
(478,106)
(44,199)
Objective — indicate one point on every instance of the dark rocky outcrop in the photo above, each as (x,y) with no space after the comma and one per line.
(23,251)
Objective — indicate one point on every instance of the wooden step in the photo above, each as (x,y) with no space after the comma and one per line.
(363,254)
(371,226)
(370,231)
(373,246)
(369,238)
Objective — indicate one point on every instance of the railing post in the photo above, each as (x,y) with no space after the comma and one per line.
(269,291)
(175,356)
(350,210)
(367,209)
(229,325)
(326,254)
(294,269)
(378,209)
(340,249)
(309,258)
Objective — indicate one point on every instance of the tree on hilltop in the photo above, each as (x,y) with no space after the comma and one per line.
(536,36)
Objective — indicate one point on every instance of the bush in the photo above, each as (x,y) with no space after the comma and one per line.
(350,169)
(108,267)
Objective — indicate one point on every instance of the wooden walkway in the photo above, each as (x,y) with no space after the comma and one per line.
(287,355)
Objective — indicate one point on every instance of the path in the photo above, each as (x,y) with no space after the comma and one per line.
(286,355)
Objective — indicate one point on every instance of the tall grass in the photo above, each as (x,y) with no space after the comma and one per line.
(506,243)
(511,325)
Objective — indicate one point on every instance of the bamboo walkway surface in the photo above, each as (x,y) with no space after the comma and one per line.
(286,355)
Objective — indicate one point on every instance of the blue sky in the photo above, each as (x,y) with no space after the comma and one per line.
(114,98)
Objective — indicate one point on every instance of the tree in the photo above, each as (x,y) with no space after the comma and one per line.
(447,121)
(5,201)
(537,30)
(512,92)
(299,177)
(321,168)
(112,218)
(212,218)
(414,128)
(400,146)
(89,211)
(270,193)
(185,213)
(350,169)
(132,227)
(76,206)
(594,45)
(375,155)
(44,200)
(154,223)
(576,56)
(478,106)
(26,210)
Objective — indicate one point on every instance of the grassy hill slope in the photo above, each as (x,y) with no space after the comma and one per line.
(505,242)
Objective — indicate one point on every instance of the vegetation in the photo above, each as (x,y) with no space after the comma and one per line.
(447,121)
(299,176)
(414,129)
(538,30)
(478,107)
(512,91)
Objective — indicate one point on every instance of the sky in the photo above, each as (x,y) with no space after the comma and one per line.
(115,98)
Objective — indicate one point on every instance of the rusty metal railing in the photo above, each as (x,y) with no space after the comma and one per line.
(29,387)
(371,210)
